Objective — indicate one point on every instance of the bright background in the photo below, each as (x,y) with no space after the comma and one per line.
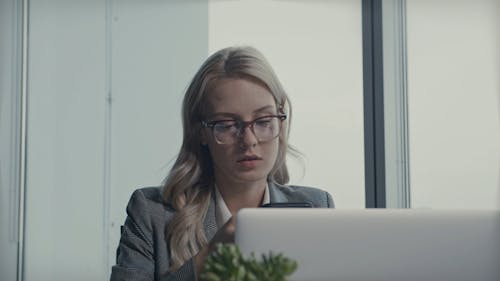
(87,152)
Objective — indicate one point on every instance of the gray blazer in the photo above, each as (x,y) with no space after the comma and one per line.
(143,255)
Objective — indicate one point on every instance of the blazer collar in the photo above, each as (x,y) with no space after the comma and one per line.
(275,193)
(210,222)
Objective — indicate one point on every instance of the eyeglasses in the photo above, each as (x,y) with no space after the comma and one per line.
(264,128)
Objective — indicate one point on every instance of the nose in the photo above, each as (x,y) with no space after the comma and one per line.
(247,137)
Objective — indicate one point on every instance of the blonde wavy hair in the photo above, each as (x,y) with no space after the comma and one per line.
(189,185)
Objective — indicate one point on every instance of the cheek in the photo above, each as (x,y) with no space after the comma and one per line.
(219,153)
(272,150)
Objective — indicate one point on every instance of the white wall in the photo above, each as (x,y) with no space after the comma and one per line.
(64,221)
(157,48)
(454,102)
(315,48)
(85,155)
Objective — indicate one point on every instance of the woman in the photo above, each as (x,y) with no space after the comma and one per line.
(235,119)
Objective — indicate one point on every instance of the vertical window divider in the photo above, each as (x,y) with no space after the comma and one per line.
(373,96)
(396,104)
(23,138)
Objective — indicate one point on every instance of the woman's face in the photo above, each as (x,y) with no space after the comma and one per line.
(246,160)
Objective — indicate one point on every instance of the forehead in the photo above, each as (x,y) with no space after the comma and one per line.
(240,96)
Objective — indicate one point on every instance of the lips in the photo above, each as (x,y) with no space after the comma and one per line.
(249,162)
(249,158)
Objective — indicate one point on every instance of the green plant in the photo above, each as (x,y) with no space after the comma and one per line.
(226,263)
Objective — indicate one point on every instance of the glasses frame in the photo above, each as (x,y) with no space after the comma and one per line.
(242,125)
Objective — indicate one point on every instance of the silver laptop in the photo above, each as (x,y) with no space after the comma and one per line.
(377,244)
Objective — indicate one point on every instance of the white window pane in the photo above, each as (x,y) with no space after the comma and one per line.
(454,90)
(315,48)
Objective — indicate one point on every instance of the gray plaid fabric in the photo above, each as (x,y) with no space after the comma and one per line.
(143,255)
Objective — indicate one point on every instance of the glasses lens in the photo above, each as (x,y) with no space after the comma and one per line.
(266,128)
(225,132)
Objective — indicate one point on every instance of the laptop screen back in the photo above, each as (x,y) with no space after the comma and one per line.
(377,244)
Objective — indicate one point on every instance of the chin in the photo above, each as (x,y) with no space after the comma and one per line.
(251,176)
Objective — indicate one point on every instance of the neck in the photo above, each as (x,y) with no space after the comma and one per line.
(242,195)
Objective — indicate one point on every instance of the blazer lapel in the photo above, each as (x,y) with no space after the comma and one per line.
(210,222)
(275,194)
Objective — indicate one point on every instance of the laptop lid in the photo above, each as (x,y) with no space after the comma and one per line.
(377,244)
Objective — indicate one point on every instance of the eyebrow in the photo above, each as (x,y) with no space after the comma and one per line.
(236,116)
(264,108)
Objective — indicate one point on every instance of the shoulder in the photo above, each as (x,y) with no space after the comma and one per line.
(142,253)
(148,198)
(289,193)
(147,207)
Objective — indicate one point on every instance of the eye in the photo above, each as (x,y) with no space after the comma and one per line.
(224,125)
(264,122)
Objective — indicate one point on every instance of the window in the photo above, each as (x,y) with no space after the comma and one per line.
(454,94)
